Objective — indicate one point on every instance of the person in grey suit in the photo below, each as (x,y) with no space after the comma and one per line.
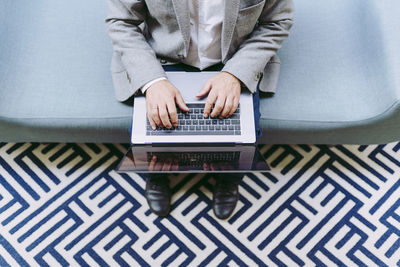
(238,37)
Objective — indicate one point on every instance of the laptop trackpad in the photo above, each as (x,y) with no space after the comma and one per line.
(194,158)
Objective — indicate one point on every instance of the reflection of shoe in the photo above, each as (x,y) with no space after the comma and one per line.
(226,195)
(158,194)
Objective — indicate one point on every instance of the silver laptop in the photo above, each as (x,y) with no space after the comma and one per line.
(193,127)
(197,144)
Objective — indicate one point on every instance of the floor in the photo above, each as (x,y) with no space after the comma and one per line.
(62,204)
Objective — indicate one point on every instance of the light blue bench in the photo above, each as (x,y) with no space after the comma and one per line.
(339,83)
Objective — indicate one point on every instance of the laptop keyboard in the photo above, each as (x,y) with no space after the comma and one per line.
(194,123)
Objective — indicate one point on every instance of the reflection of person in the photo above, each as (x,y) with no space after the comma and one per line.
(238,37)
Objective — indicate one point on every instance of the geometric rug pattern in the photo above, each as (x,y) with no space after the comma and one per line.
(63,205)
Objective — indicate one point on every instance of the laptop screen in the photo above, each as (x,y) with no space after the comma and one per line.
(201,158)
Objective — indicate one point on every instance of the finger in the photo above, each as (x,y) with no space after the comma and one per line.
(206,167)
(209,104)
(219,105)
(204,90)
(212,166)
(152,163)
(167,165)
(150,116)
(180,102)
(172,113)
(152,124)
(227,107)
(158,166)
(175,166)
(235,106)
(162,110)
(155,116)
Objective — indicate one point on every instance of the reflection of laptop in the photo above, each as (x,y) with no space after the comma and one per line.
(197,144)
(193,158)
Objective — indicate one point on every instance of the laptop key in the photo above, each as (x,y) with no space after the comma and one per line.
(195,122)
(235,121)
(220,122)
(218,133)
(231,128)
(188,122)
(195,105)
(237,127)
(191,128)
(201,122)
(208,122)
(198,128)
(238,133)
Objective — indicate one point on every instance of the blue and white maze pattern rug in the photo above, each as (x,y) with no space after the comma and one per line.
(62,204)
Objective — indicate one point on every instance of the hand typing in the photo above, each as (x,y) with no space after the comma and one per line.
(223,89)
(161,100)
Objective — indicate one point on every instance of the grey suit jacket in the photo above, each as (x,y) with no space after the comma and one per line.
(149,33)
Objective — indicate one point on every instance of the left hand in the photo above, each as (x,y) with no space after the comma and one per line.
(223,89)
(166,164)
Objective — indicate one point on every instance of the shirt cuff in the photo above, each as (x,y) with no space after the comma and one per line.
(147,85)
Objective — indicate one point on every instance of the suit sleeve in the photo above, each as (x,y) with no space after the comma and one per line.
(139,59)
(250,59)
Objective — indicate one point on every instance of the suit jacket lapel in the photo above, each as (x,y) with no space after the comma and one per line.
(182,14)
(231,13)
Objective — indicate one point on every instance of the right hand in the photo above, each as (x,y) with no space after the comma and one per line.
(161,100)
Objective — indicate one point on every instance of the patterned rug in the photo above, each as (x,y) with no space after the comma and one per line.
(62,204)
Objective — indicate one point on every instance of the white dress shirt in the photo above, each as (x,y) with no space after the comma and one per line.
(206,17)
